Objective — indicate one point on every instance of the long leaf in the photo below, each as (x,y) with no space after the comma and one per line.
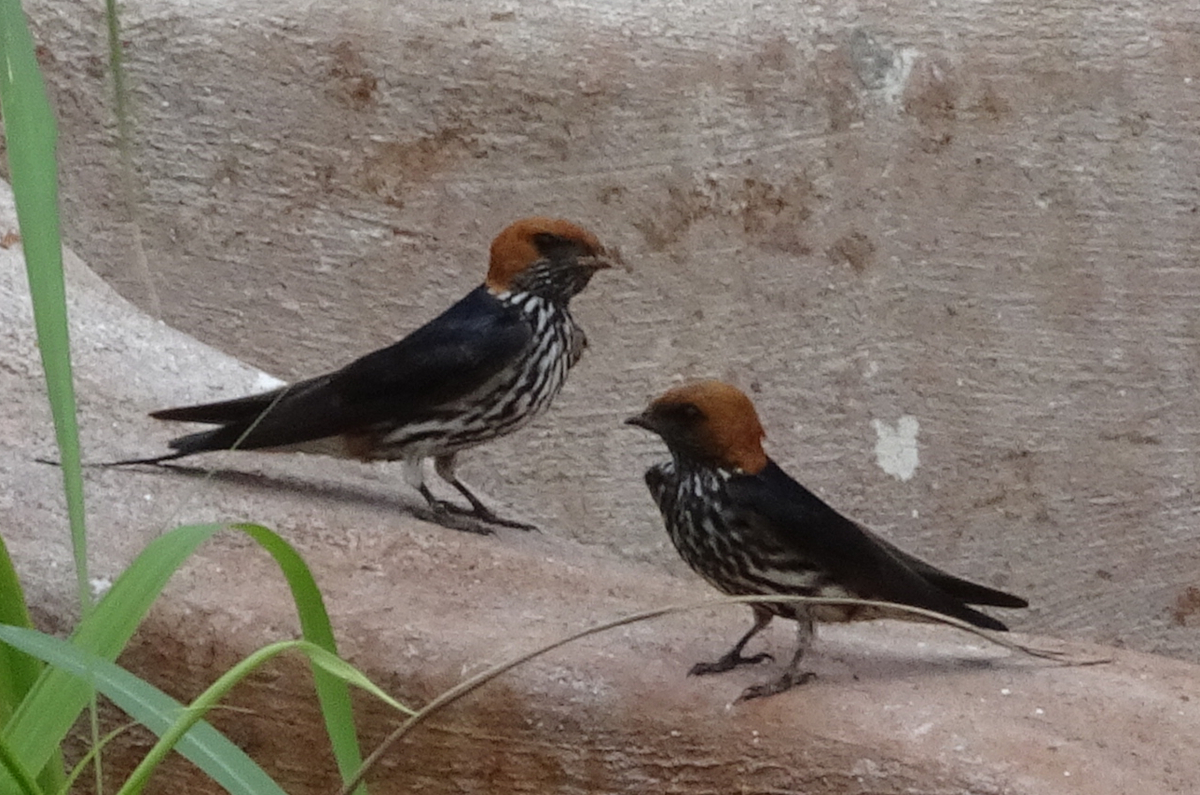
(333,694)
(18,671)
(52,706)
(184,724)
(31,135)
(46,715)
(30,138)
(23,779)
(220,759)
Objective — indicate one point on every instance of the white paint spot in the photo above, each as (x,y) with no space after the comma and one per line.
(100,586)
(896,447)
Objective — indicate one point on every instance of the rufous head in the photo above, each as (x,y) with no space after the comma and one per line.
(709,422)
(547,256)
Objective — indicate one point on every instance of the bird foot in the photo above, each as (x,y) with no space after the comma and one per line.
(481,513)
(786,682)
(727,663)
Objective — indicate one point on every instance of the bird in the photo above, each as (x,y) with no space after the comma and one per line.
(748,528)
(482,369)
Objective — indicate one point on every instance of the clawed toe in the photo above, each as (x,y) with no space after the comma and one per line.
(786,682)
(492,518)
(728,663)
(457,518)
(484,515)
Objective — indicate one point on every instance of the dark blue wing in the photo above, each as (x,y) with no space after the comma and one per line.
(854,556)
(440,363)
(447,359)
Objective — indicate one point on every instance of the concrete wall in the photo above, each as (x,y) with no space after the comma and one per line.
(964,226)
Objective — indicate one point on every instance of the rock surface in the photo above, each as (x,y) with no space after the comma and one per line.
(897,708)
(950,251)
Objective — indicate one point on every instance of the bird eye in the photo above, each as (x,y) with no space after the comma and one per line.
(690,411)
(548,239)
(556,246)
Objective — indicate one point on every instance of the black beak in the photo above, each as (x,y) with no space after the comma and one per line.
(605,259)
(642,420)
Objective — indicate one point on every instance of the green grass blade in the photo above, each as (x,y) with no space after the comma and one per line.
(52,706)
(193,714)
(18,674)
(31,136)
(333,693)
(18,671)
(199,742)
(94,751)
(180,728)
(319,657)
(347,673)
(23,779)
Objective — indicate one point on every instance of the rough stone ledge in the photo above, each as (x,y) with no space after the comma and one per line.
(898,708)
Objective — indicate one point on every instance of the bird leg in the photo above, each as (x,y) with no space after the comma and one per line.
(443,510)
(793,676)
(733,658)
(444,466)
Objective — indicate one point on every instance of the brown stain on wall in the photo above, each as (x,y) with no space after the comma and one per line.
(932,97)
(354,83)
(854,249)
(391,169)
(1187,605)
(772,214)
